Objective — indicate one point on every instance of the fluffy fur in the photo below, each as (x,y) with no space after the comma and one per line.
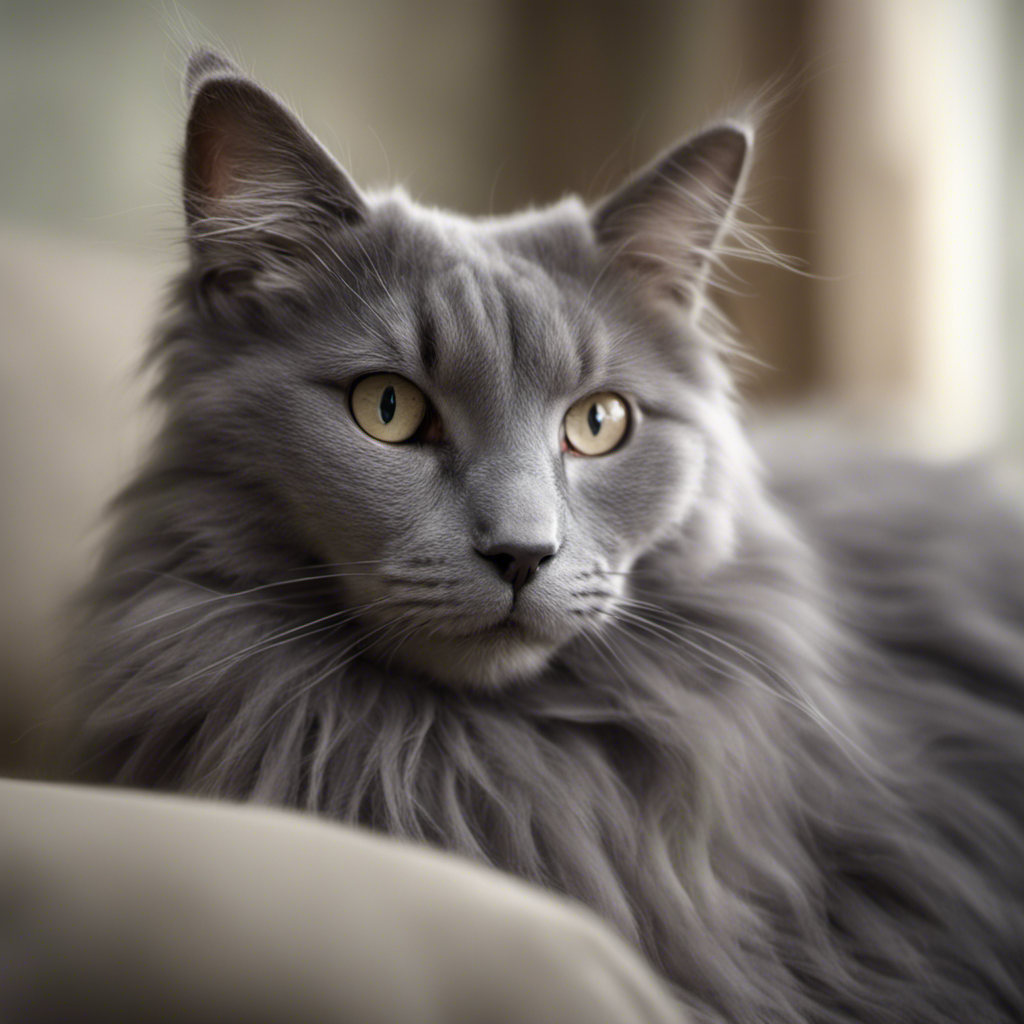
(769,724)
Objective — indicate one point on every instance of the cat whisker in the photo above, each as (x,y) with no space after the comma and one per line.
(785,690)
(663,630)
(791,696)
(307,569)
(403,581)
(336,662)
(340,565)
(601,645)
(219,597)
(397,640)
(300,632)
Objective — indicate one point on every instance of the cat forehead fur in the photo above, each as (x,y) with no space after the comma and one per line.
(507,315)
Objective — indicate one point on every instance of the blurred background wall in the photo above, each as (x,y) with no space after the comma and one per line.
(889,167)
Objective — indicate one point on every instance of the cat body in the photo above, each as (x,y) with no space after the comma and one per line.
(769,724)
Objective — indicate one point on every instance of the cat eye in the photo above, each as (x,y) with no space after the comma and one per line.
(388,407)
(597,424)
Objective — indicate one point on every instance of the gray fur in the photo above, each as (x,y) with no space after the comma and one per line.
(775,738)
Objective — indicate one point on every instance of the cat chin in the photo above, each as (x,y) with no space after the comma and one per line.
(477,662)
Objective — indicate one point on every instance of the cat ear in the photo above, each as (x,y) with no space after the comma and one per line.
(666,221)
(251,169)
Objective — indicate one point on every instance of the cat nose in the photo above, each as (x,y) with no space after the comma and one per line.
(518,563)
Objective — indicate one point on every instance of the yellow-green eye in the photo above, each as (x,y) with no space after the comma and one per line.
(388,407)
(597,424)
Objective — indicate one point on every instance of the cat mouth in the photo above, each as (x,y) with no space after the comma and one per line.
(506,628)
(479,653)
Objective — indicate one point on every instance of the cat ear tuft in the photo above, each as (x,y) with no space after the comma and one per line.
(204,64)
(666,221)
(249,164)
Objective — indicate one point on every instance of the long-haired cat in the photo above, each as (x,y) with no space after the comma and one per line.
(452,530)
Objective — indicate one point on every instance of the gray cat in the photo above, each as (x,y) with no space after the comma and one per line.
(453,531)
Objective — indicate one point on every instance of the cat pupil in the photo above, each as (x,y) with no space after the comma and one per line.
(387,404)
(595,418)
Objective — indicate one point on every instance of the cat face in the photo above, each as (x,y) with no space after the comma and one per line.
(481,425)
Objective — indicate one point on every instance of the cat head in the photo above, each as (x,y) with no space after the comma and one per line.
(483,424)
